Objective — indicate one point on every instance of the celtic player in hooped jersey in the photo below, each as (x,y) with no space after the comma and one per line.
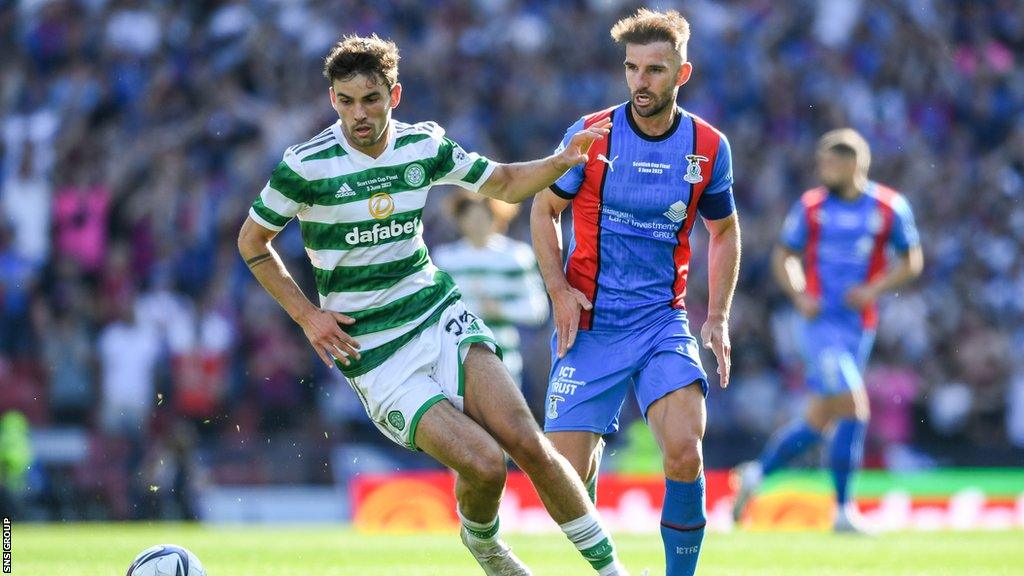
(424,366)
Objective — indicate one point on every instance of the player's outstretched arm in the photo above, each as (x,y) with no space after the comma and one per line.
(723,271)
(514,183)
(546,231)
(322,328)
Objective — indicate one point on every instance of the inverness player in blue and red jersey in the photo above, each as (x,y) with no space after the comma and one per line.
(620,316)
(832,263)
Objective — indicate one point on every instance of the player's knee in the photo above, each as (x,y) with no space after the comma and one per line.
(683,460)
(862,412)
(861,406)
(487,470)
(818,414)
(583,467)
(530,448)
(582,462)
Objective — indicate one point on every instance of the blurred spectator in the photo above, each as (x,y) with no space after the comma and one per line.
(69,362)
(15,458)
(128,352)
(26,205)
(1015,410)
(277,365)
(80,214)
(201,372)
(17,277)
(171,475)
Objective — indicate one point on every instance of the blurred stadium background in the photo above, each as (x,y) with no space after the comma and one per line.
(145,375)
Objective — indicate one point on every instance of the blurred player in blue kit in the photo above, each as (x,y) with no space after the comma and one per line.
(832,262)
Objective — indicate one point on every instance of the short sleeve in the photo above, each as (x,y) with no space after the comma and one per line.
(454,165)
(282,198)
(569,183)
(794,229)
(904,232)
(717,201)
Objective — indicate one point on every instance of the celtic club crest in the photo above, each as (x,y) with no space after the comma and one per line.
(414,175)
(396,420)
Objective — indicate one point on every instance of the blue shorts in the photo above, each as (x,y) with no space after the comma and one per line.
(587,387)
(835,356)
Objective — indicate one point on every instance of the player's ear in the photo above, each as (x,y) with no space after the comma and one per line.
(684,73)
(396,94)
(334,97)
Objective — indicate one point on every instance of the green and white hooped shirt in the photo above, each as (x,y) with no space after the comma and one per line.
(361,224)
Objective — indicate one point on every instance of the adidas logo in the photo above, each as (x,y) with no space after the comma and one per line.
(345,191)
(676,212)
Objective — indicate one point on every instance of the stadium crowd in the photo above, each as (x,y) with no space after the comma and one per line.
(135,134)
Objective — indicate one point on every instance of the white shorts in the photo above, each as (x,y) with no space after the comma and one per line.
(422,373)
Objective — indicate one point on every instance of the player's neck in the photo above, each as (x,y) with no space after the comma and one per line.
(849,192)
(478,241)
(656,125)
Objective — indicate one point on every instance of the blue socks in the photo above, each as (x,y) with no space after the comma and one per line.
(845,456)
(682,525)
(787,444)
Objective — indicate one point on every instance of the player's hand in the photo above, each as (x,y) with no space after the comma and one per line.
(567,303)
(715,334)
(576,151)
(860,296)
(323,330)
(808,306)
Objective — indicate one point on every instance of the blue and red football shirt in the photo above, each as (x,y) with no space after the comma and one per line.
(845,243)
(634,203)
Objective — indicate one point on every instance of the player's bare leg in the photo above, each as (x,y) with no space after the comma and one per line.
(461,444)
(849,413)
(818,413)
(677,421)
(493,401)
(852,404)
(786,444)
(583,450)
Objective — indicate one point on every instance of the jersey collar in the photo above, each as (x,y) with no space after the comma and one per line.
(640,133)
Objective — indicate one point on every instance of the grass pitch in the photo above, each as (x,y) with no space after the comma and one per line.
(107,549)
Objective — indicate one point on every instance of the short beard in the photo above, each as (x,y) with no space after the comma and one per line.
(661,105)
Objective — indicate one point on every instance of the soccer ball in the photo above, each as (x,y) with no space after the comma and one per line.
(166,560)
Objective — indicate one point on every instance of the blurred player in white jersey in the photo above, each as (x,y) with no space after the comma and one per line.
(497,275)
